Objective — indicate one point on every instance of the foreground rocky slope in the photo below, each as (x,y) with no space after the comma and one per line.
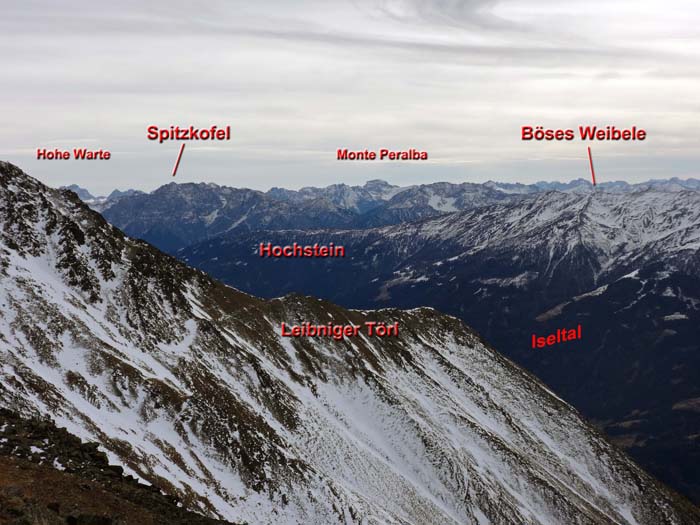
(187,383)
(49,477)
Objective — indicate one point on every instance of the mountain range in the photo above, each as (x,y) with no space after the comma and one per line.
(188,384)
(178,215)
(100,203)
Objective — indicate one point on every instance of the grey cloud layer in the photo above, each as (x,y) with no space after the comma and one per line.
(298,80)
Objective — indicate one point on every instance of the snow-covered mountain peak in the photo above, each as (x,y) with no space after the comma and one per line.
(600,219)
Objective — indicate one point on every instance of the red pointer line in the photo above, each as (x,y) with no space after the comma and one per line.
(590,161)
(179,156)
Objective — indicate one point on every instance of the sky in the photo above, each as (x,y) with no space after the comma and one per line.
(296,80)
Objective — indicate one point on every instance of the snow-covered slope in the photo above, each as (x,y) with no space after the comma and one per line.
(187,382)
(625,265)
(608,231)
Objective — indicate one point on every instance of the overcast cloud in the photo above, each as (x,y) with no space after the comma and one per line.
(297,80)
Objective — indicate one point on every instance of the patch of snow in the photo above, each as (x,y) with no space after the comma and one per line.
(676,316)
